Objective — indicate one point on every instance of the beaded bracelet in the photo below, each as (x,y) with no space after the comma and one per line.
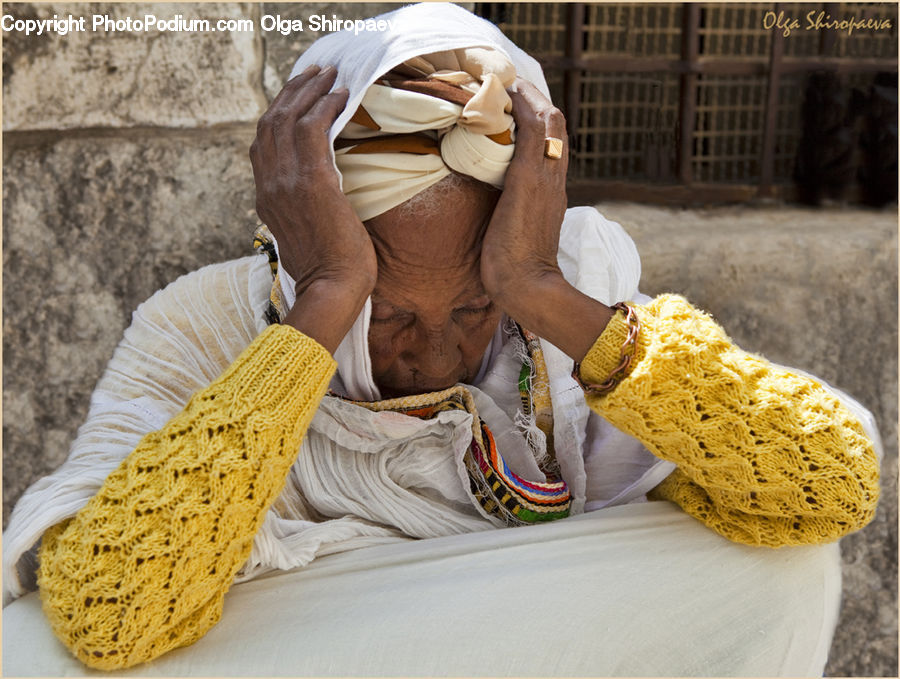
(628,349)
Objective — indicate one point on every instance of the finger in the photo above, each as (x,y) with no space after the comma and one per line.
(302,98)
(264,142)
(311,133)
(534,126)
(293,102)
(292,85)
(276,129)
(302,77)
(533,95)
(543,108)
(325,110)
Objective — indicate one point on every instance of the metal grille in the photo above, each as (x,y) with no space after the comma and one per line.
(538,28)
(730,115)
(635,30)
(626,126)
(734,31)
(787,127)
(705,98)
(875,44)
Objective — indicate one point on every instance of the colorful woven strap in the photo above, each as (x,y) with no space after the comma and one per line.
(498,489)
(264,244)
(534,392)
(503,493)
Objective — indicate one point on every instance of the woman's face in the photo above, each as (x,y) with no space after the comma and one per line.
(431,320)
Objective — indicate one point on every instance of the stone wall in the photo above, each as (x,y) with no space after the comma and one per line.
(125,165)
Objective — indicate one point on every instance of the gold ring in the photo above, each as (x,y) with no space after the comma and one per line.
(553,148)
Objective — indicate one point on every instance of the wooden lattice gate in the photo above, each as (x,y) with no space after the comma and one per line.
(689,103)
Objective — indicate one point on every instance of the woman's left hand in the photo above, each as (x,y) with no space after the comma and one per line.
(521,241)
(519,266)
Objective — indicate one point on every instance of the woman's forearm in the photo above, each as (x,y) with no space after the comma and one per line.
(144,566)
(764,456)
(558,312)
(326,309)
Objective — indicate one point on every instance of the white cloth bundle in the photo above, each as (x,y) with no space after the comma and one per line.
(646,591)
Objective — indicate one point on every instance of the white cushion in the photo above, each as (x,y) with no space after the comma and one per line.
(641,590)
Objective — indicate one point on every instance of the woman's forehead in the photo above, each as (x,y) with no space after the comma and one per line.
(441,227)
(421,287)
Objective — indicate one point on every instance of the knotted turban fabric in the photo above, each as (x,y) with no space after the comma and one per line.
(429,115)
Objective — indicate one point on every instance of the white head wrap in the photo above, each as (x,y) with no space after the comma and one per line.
(361,59)
(436,113)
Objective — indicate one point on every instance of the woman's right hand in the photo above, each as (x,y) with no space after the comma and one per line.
(322,244)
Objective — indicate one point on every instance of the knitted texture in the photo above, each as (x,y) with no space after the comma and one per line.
(144,567)
(765,456)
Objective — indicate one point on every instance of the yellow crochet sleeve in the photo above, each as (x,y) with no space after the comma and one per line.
(764,456)
(143,568)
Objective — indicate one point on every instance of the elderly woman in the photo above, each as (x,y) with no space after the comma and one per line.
(446,347)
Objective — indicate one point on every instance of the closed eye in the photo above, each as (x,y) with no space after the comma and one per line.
(385,312)
(473,310)
(395,317)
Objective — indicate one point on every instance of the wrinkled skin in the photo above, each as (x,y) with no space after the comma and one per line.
(439,280)
(431,317)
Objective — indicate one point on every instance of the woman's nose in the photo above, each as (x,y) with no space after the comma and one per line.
(436,354)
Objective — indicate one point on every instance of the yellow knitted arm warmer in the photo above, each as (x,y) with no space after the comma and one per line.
(764,456)
(144,566)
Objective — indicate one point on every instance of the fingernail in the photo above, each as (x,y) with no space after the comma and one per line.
(328,69)
(340,90)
